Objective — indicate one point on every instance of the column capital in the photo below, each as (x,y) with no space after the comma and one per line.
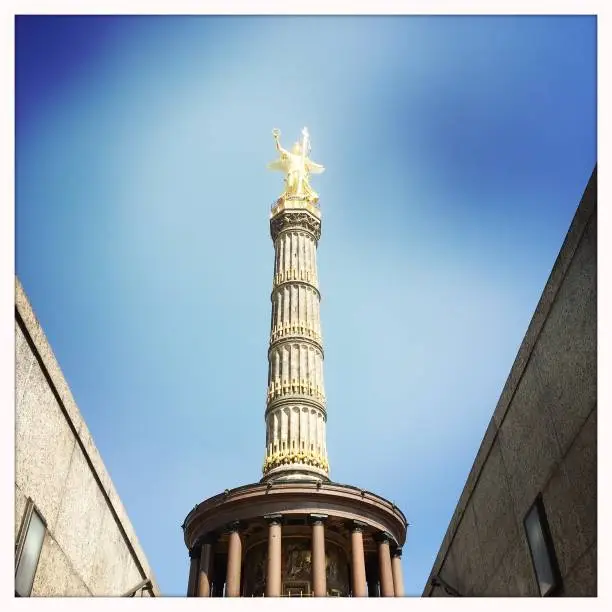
(397,552)
(234,526)
(317,519)
(384,536)
(356,526)
(274,519)
(194,551)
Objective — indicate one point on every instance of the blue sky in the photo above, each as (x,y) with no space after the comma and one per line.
(457,149)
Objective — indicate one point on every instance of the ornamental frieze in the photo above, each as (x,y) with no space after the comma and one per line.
(295,220)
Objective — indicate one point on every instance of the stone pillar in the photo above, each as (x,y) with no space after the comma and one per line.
(291,232)
(396,568)
(358,571)
(384,565)
(206,568)
(273,573)
(234,562)
(194,555)
(319,578)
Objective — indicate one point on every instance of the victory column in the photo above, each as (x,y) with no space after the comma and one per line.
(295,533)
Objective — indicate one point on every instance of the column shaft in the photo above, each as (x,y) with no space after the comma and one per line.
(319,581)
(273,575)
(234,561)
(396,567)
(204,574)
(384,564)
(358,564)
(194,555)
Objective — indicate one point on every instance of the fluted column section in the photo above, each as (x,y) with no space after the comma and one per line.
(296,408)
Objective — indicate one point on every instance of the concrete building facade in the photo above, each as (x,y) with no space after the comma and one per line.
(72,534)
(526,521)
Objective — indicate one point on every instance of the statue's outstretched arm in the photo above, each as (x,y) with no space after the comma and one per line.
(276,134)
(283,152)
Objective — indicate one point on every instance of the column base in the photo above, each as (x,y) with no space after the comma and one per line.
(295,474)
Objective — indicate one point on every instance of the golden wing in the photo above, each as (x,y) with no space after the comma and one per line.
(314,168)
(278,164)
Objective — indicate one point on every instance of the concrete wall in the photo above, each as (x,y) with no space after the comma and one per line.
(542,439)
(90,547)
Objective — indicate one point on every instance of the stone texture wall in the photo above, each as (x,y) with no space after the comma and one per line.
(542,439)
(90,547)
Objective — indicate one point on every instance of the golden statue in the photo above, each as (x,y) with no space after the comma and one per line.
(297,167)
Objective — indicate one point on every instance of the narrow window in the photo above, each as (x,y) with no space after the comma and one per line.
(27,550)
(541,548)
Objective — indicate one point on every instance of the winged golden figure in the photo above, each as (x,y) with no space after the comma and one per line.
(297,167)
